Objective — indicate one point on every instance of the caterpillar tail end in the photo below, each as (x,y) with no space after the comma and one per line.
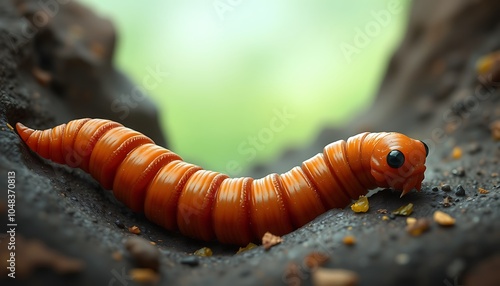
(24,131)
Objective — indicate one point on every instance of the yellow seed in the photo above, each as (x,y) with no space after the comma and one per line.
(456,153)
(485,64)
(411,220)
(443,218)
(349,240)
(248,247)
(361,205)
(204,251)
(144,275)
(134,229)
(404,210)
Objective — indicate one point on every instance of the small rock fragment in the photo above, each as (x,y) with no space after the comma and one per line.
(144,254)
(204,252)
(410,220)
(292,272)
(361,205)
(459,172)
(495,130)
(43,77)
(474,148)
(446,201)
(144,275)
(269,240)
(337,277)
(446,188)
(315,259)
(418,227)
(134,229)
(443,218)
(435,189)
(119,224)
(460,191)
(190,260)
(117,256)
(483,191)
(382,211)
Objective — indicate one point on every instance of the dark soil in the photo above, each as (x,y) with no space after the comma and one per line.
(74,233)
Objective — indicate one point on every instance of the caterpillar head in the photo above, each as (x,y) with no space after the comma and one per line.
(399,162)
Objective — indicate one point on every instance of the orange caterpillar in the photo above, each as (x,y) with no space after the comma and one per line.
(207,205)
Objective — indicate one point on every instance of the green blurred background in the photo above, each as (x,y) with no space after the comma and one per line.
(232,63)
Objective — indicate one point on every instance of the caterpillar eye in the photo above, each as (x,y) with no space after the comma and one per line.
(426,148)
(395,159)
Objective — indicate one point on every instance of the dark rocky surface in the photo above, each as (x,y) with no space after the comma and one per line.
(432,91)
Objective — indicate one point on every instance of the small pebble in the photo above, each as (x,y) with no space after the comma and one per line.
(446,188)
(446,201)
(435,189)
(474,147)
(418,227)
(459,172)
(460,191)
(190,260)
(402,259)
(145,254)
(315,259)
(269,240)
(495,130)
(144,276)
(341,277)
(483,191)
(134,229)
(119,224)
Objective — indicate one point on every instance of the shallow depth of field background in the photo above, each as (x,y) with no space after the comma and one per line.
(232,64)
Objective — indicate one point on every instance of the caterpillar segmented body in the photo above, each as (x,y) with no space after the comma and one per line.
(207,205)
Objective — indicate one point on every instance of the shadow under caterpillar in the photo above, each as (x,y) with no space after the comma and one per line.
(209,205)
